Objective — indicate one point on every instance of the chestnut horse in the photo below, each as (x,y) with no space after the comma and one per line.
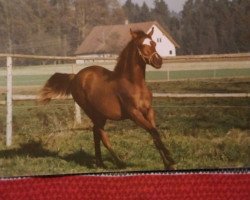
(115,95)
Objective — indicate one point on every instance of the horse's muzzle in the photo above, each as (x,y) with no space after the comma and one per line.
(156,61)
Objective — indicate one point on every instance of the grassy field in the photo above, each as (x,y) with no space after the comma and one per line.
(200,133)
(37,75)
(26,80)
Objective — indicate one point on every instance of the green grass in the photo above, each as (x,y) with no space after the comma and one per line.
(200,133)
(156,75)
(220,73)
(37,75)
(228,85)
(73,152)
(232,72)
(26,80)
(191,74)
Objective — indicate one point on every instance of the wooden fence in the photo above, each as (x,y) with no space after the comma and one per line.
(180,59)
(170,59)
(20,97)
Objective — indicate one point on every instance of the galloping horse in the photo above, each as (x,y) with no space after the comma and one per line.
(115,95)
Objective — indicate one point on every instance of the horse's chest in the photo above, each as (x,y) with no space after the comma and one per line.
(138,97)
(142,100)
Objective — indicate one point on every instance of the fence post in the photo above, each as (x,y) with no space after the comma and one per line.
(168,78)
(9,102)
(78,117)
(214,72)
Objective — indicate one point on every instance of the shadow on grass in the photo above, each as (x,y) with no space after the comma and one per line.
(35,149)
(80,157)
(32,149)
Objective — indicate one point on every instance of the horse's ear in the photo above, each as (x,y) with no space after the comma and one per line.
(151,32)
(133,34)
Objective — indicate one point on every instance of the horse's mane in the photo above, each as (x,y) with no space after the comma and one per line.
(125,56)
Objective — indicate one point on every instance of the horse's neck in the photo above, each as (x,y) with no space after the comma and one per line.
(138,73)
(132,68)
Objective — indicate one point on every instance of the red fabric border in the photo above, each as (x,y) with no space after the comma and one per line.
(195,186)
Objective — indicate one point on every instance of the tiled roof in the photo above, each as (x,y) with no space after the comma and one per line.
(113,38)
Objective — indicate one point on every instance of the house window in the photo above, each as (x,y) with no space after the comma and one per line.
(158,40)
(170,52)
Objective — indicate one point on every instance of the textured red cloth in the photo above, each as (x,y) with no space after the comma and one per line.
(192,186)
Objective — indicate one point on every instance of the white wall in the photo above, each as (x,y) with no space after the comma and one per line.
(165,46)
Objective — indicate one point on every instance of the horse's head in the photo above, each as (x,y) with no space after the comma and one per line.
(146,48)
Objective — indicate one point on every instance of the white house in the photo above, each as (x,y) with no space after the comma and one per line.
(108,41)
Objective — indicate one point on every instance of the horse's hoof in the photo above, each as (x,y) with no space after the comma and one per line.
(171,167)
(121,164)
(101,165)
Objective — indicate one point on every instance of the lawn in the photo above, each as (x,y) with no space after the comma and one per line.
(37,75)
(199,132)
(27,80)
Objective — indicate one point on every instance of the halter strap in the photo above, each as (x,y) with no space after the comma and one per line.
(146,57)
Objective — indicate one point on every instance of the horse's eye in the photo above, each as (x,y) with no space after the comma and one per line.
(140,46)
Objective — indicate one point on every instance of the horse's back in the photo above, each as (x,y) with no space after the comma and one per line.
(94,78)
(95,68)
(95,71)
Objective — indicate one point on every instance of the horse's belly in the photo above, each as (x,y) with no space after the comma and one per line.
(102,97)
(108,105)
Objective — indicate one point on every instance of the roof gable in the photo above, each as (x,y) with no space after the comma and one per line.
(113,38)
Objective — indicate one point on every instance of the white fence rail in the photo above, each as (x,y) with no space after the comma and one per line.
(19,97)
(177,59)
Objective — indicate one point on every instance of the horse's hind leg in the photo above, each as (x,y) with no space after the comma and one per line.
(100,134)
(107,144)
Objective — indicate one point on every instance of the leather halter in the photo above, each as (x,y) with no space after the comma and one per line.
(146,57)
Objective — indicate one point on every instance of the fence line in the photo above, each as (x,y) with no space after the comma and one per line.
(154,106)
(202,95)
(19,97)
(185,58)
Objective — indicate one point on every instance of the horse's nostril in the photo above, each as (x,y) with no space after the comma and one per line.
(157,61)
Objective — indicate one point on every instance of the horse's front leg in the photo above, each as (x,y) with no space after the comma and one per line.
(148,123)
(157,140)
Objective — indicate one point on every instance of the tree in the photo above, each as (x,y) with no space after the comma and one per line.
(57,27)
(145,13)
(161,13)
(132,11)
(241,20)
(188,35)
(224,26)
(207,37)
(6,27)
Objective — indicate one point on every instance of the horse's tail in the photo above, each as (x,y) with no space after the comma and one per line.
(58,85)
